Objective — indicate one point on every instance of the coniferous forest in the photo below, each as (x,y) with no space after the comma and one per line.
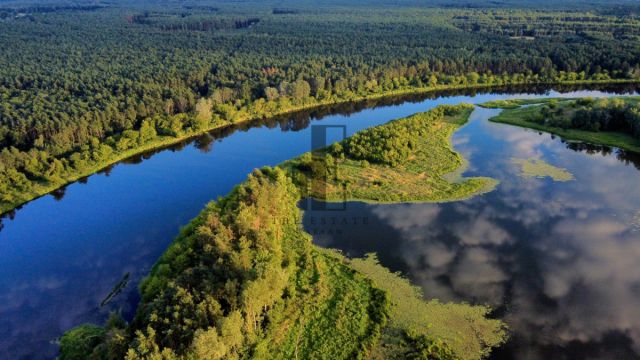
(84,85)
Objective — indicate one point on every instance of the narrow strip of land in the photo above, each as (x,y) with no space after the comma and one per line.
(406,160)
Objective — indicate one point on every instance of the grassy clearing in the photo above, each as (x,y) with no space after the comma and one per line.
(536,168)
(418,177)
(529,117)
(339,317)
(464,328)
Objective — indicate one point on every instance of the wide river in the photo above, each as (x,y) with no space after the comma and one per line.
(557,260)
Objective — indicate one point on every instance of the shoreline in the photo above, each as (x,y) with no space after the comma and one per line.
(612,139)
(169,141)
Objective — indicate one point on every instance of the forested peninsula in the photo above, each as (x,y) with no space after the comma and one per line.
(243,279)
(175,71)
(608,121)
(405,160)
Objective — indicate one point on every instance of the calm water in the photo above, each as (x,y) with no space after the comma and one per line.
(557,260)
(557,257)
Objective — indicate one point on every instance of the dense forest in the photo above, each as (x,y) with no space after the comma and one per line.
(243,278)
(84,85)
(536,24)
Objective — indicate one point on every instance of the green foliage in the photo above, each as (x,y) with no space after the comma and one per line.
(608,115)
(132,77)
(78,343)
(392,143)
(422,347)
(207,345)
(412,159)
(339,315)
(236,256)
(526,25)
(614,122)
(243,278)
(96,343)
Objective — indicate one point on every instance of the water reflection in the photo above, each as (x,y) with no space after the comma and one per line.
(60,259)
(558,261)
(626,157)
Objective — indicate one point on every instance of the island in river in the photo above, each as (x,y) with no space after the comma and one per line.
(244,278)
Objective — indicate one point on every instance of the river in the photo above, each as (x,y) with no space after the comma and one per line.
(553,258)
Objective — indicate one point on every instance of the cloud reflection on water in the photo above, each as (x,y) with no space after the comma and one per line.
(560,261)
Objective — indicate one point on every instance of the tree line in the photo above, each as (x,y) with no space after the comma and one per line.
(393,143)
(83,87)
(611,115)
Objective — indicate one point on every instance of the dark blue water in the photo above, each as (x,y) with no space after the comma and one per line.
(558,261)
(61,256)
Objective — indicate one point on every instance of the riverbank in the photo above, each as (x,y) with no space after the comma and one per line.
(41,188)
(535,114)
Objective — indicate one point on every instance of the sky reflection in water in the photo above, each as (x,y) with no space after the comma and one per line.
(557,260)
(62,255)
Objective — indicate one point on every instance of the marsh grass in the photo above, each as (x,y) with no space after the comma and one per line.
(464,328)
(340,315)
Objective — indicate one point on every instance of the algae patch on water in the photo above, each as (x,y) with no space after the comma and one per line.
(530,168)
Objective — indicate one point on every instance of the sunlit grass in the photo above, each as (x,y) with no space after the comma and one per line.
(340,315)
(463,327)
